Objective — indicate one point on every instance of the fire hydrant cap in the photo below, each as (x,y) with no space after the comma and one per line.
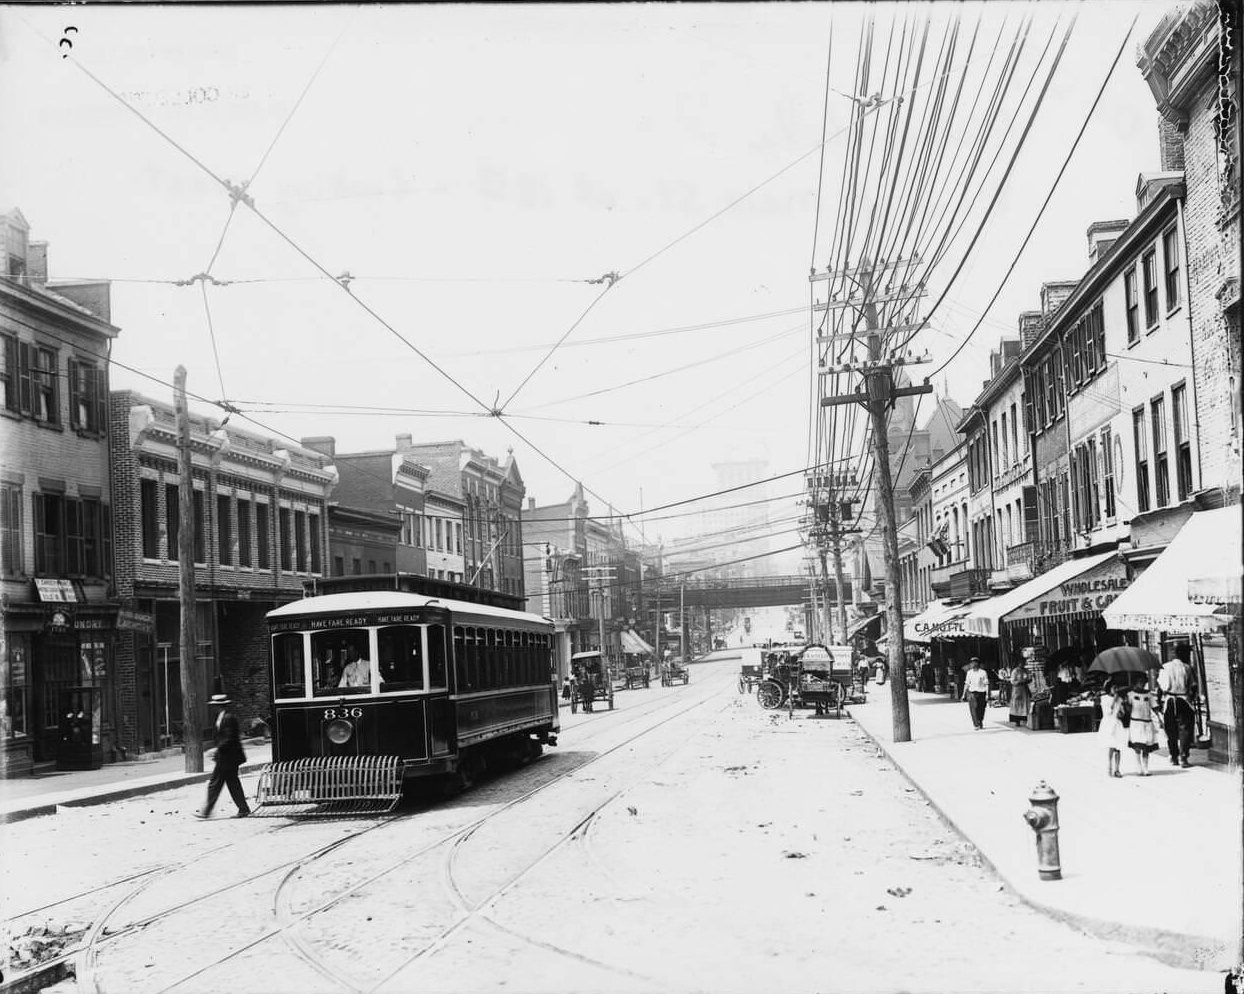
(1043,792)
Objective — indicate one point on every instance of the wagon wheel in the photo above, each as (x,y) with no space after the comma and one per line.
(769,695)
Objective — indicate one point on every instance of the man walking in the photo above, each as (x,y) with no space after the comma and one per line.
(228,757)
(976,691)
(1177,685)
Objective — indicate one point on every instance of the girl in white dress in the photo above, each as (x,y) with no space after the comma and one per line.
(1142,733)
(1112,731)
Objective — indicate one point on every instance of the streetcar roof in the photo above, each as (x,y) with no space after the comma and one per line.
(382,600)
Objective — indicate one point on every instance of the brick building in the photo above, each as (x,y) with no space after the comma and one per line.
(1191,62)
(491,494)
(60,616)
(261,531)
(376,519)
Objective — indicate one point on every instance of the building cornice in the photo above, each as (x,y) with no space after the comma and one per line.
(1179,56)
(32,300)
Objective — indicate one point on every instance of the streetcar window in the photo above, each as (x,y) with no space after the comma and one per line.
(461,683)
(288,673)
(507,653)
(474,677)
(400,648)
(492,660)
(331,653)
(438,661)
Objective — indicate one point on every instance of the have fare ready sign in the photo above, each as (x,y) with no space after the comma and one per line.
(1089,592)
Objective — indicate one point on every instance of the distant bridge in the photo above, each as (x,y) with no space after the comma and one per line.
(752,591)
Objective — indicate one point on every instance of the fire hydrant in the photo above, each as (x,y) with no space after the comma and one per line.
(1042,818)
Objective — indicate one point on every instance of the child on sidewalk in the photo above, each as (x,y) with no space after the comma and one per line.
(1142,733)
(1115,718)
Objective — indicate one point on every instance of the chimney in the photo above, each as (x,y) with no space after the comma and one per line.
(324,444)
(1030,325)
(1053,295)
(1170,146)
(403,443)
(1103,234)
(37,262)
(1011,347)
(531,503)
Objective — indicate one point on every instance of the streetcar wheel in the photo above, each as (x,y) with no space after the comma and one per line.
(769,695)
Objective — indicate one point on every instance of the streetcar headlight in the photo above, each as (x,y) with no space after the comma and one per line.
(339,731)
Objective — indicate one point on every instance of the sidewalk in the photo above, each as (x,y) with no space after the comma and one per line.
(1153,861)
(27,797)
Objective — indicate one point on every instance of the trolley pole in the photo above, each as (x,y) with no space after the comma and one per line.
(878,398)
(190,705)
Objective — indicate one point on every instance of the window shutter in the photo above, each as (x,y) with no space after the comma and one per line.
(25,385)
(101,399)
(106,533)
(76,369)
(40,525)
(1030,513)
(1029,392)
(11,371)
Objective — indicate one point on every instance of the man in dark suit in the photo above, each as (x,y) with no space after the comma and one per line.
(229,756)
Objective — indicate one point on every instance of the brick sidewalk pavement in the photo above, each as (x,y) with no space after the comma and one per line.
(1154,860)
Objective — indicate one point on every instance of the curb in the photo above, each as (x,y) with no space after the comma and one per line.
(1176,949)
(120,793)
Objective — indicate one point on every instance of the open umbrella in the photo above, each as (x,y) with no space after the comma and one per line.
(1125,659)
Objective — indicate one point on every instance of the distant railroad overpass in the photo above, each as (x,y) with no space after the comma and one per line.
(754,591)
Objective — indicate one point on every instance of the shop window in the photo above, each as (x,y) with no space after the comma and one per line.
(149,501)
(11,528)
(14,697)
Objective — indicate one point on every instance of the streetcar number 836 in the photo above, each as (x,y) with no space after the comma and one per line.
(331,713)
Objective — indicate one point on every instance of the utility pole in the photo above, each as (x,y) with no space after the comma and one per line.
(682,618)
(878,398)
(598,576)
(191,707)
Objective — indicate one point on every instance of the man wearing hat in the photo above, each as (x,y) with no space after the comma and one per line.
(228,757)
(975,691)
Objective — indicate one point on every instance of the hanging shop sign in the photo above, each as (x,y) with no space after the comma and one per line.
(52,590)
(129,620)
(59,622)
(1089,593)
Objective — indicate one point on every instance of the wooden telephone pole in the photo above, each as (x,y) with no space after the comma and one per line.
(191,706)
(877,398)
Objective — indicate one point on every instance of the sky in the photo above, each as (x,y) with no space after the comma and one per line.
(478,170)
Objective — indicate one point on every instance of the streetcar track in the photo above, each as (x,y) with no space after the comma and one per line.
(286,928)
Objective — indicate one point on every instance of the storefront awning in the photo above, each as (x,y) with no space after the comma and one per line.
(937,621)
(1077,588)
(633,644)
(1204,552)
(859,625)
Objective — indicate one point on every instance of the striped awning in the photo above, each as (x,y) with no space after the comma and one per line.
(937,621)
(633,644)
(1170,595)
(1077,587)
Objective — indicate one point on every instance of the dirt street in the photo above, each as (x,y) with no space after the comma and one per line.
(687,841)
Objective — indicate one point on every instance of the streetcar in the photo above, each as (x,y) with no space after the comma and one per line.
(381,680)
